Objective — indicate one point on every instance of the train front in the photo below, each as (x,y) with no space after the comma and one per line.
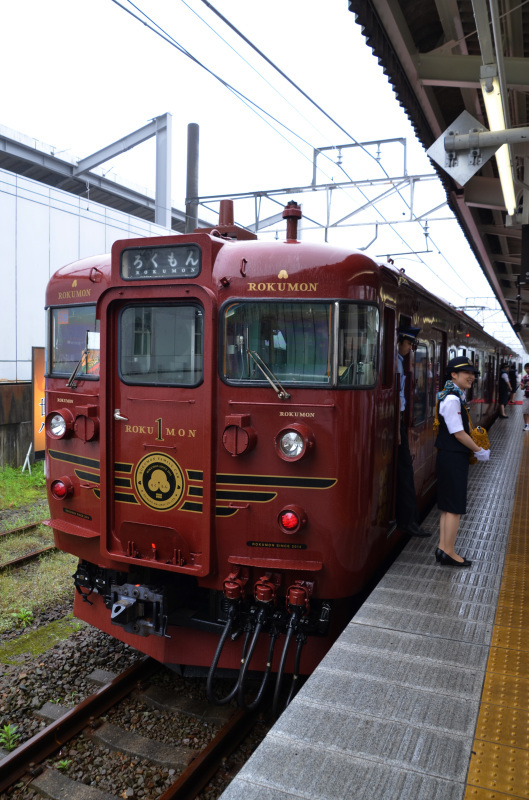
(232,486)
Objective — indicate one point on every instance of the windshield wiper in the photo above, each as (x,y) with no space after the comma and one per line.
(269,375)
(70,382)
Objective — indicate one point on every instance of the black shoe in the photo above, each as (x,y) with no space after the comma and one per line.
(438,554)
(503,416)
(447,561)
(413,529)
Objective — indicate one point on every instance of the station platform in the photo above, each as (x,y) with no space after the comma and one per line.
(425,696)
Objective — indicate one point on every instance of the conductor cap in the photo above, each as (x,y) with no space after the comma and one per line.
(408,333)
(461,364)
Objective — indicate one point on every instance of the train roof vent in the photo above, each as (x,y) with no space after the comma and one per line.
(226,227)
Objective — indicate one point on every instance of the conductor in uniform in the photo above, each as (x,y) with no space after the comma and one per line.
(406,506)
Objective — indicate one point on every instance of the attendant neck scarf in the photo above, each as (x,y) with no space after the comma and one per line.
(451,388)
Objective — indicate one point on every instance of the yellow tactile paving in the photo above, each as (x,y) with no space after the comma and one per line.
(514,594)
(503,725)
(513,616)
(516,638)
(494,766)
(473,793)
(499,767)
(506,690)
(508,661)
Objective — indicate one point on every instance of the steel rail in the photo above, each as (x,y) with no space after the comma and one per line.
(198,774)
(23,528)
(54,736)
(29,557)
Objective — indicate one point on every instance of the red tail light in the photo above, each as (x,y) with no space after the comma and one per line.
(61,488)
(291,519)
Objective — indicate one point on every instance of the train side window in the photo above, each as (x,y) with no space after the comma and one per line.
(292,341)
(431,372)
(387,369)
(318,343)
(421,383)
(357,344)
(74,337)
(479,361)
(161,345)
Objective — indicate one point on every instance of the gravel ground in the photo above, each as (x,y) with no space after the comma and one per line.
(60,675)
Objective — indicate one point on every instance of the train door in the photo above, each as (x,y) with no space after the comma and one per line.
(158,474)
(433,366)
(387,424)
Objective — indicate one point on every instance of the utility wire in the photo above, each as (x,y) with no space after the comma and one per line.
(283,74)
(322,110)
(162,33)
(254,69)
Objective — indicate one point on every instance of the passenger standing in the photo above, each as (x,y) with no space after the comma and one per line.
(512,381)
(524,383)
(504,391)
(454,447)
(406,503)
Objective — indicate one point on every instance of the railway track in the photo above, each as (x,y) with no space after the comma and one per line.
(31,765)
(22,528)
(25,557)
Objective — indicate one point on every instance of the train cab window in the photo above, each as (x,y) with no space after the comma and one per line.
(421,383)
(317,343)
(162,345)
(73,342)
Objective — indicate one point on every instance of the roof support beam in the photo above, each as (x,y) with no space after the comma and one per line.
(463,71)
(161,127)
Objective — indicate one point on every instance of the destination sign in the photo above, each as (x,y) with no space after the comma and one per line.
(159,263)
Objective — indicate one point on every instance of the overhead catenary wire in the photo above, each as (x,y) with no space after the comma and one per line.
(252,67)
(328,116)
(148,22)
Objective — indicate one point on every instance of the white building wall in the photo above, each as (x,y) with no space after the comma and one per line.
(42,229)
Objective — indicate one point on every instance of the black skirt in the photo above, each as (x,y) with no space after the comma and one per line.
(452,479)
(504,394)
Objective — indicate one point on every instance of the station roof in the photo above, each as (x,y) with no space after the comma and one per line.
(432,55)
(24,156)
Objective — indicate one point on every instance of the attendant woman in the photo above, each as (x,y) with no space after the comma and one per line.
(454,448)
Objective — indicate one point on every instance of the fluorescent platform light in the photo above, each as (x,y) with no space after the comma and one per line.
(494,108)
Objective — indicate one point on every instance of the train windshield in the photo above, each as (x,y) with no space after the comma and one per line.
(162,345)
(318,343)
(74,341)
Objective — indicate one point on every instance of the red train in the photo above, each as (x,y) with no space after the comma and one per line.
(221,432)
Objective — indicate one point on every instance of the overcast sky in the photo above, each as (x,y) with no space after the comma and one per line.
(80,74)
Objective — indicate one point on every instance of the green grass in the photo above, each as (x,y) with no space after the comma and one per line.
(19,488)
(40,584)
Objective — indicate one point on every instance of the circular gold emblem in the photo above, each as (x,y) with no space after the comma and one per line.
(159,481)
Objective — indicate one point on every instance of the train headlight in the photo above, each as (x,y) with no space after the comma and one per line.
(57,426)
(294,442)
(291,444)
(59,423)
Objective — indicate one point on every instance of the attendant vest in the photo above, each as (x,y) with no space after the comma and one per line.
(446,440)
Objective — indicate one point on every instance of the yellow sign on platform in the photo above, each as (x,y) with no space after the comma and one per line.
(39,401)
